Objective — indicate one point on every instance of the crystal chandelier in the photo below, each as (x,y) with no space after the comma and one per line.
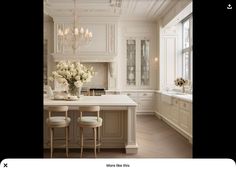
(74,36)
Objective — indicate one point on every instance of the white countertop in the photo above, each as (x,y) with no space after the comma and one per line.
(104,100)
(185,96)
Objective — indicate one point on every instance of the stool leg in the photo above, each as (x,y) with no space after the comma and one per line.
(66,131)
(99,138)
(51,141)
(81,142)
(95,130)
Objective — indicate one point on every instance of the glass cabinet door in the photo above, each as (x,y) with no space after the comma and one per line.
(131,62)
(145,67)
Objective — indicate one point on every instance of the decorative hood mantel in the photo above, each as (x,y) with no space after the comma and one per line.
(83,58)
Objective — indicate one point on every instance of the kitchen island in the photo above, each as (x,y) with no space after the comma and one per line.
(119,121)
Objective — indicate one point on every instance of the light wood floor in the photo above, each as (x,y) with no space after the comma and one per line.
(155,139)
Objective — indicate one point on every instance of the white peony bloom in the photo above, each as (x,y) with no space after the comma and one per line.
(72,72)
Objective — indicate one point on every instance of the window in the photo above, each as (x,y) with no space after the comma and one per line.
(187,49)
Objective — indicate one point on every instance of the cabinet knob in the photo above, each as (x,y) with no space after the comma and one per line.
(144,94)
(184,104)
(128,94)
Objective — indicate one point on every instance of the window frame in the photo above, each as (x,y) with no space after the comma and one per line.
(187,49)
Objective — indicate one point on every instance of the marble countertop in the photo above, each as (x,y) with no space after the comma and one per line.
(104,100)
(182,96)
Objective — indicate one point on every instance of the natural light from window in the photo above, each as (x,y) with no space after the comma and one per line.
(187,49)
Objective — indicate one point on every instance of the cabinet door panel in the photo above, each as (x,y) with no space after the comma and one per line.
(174,114)
(165,109)
(185,105)
(146,105)
(184,120)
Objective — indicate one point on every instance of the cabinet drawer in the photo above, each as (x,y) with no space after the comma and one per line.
(185,105)
(175,102)
(146,105)
(144,95)
(131,94)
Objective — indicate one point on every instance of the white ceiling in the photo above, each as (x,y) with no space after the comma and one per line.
(130,9)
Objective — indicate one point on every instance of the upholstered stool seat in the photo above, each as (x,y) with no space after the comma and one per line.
(90,121)
(58,121)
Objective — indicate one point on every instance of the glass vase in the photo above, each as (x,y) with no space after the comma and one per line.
(74,91)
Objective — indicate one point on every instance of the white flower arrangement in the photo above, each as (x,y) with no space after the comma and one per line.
(72,74)
(181,82)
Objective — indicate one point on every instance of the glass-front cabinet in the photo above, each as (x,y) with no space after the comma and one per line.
(145,62)
(138,67)
(131,62)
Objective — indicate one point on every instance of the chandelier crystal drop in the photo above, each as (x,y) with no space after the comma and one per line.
(74,36)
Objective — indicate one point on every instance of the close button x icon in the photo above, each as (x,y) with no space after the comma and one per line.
(5,165)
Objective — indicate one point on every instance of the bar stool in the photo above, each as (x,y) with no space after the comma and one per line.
(58,122)
(94,122)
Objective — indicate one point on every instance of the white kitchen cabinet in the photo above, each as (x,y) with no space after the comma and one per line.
(138,70)
(144,99)
(146,102)
(165,105)
(184,116)
(176,112)
(131,63)
(157,103)
(165,109)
